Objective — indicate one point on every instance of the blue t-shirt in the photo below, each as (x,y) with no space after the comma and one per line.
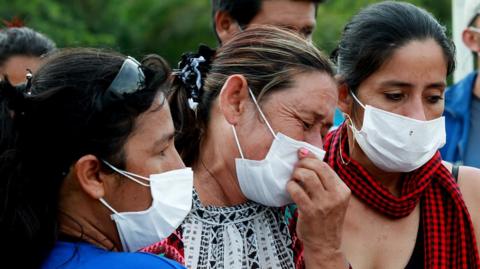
(81,255)
(472,151)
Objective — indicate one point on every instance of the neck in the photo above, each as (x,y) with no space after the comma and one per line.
(389,180)
(215,176)
(476,88)
(76,224)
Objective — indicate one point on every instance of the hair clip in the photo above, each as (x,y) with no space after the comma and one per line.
(191,70)
(28,87)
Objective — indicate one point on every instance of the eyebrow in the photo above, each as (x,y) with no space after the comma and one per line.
(165,137)
(316,115)
(401,84)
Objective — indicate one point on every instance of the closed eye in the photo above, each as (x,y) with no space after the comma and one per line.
(306,125)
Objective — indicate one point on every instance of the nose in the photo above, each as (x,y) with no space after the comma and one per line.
(415,109)
(177,162)
(314,135)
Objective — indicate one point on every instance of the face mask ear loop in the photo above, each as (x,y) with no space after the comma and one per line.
(261,113)
(354,129)
(347,118)
(128,174)
(237,141)
(108,206)
(135,175)
(356,99)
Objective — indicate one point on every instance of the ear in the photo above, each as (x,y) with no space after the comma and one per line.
(471,40)
(233,98)
(91,179)
(345,102)
(225,26)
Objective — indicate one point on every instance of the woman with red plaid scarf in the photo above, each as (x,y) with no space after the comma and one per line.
(408,209)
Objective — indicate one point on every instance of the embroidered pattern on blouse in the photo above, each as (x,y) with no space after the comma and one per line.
(244,236)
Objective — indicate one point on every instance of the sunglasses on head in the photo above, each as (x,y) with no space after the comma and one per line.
(129,79)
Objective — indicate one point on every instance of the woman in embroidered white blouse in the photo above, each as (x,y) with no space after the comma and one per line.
(266,91)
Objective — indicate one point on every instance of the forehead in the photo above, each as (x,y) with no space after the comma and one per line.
(289,13)
(152,125)
(417,63)
(313,92)
(16,67)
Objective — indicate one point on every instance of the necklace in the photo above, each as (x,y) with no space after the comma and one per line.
(208,171)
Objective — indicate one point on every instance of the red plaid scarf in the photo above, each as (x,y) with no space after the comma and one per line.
(448,230)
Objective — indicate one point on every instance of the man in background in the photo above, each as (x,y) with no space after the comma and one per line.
(462,101)
(232,16)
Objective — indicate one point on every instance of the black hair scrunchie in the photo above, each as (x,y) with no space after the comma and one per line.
(192,70)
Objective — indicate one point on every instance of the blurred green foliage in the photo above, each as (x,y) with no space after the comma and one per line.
(165,27)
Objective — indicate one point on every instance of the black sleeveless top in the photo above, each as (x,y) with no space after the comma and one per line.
(418,256)
(417,259)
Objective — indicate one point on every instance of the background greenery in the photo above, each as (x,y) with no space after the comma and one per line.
(166,27)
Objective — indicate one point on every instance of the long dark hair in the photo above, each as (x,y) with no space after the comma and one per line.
(375,33)
(267,56)
(16,41)
(63,118)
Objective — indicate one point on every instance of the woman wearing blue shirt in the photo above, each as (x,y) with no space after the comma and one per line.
(93,175)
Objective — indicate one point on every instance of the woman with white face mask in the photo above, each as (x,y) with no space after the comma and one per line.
(93,175)
(407,209)
(250,121)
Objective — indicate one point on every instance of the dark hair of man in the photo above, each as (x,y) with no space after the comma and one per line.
(58,123)
(243,11)
(375,33)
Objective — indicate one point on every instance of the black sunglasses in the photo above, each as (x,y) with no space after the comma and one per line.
(129,79)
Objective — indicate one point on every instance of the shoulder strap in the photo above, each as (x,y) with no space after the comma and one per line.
(455,169)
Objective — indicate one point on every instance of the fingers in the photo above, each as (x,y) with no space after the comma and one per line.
(327,176)
(298,194)
(308,180)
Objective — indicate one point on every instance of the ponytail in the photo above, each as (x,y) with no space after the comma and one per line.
(187,101)
(11,99)
(26,205)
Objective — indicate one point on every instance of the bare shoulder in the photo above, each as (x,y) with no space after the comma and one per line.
(469,181)
(468,178)
(469,185)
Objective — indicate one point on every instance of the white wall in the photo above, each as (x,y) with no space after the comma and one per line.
(464,56)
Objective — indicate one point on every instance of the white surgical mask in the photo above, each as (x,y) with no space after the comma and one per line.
(396,143)
(172,201)
(265,181)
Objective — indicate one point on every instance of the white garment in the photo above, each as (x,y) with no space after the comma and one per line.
(244,236)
